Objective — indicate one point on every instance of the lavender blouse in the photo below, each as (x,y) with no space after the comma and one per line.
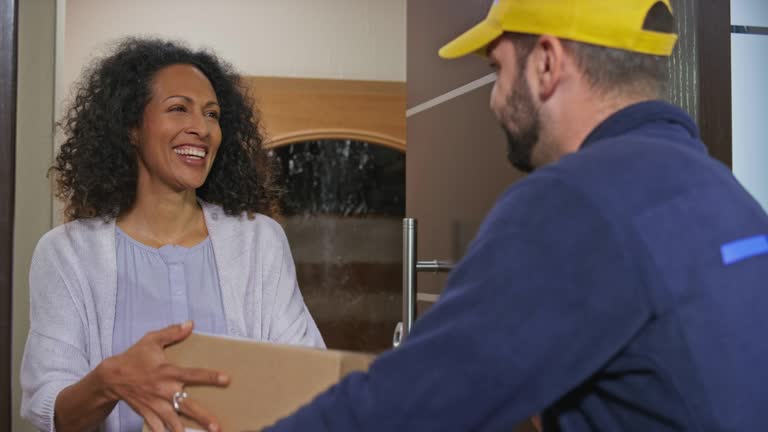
(160,287)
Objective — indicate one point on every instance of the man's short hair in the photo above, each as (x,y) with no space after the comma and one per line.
(615,70)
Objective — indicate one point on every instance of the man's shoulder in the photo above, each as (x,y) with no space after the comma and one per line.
(544,200)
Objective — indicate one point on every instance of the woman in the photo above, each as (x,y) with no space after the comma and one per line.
(167,185)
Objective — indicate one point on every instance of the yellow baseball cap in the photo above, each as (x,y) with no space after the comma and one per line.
(609,23)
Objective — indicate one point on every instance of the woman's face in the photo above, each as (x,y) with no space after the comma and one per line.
(179,133)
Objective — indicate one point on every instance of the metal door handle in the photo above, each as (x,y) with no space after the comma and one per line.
(410,267)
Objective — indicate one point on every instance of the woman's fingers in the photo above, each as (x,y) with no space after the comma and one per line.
(150,418)
(536,420)
(171,334)
(196,412)
(149,381)
(158,411)
(196,376)
(164,409)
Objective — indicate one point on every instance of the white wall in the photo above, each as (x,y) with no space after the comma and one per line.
(34,134)
(749,68)
(344,39)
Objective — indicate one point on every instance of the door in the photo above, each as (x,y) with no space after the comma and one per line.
(340,148)
(456,165)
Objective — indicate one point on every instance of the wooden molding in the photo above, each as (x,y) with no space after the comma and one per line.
(319,134)
(8,73)
(713,25)
(301,109)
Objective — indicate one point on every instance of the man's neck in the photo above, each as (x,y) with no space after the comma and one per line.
(583,116)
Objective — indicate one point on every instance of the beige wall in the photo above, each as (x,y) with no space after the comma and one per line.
(344,39)
(33,157)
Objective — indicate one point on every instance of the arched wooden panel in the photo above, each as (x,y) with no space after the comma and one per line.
(323,134)
(304,109)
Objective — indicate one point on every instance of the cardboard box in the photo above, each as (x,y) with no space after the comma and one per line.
(269,381)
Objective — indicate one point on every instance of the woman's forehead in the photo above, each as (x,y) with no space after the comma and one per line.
(184,80)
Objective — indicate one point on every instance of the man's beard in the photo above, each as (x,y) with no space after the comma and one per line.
(522,113)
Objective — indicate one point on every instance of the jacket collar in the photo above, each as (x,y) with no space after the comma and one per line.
(640,114)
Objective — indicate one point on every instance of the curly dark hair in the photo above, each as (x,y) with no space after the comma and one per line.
(96,168)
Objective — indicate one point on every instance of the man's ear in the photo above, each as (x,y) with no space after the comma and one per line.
(547,61)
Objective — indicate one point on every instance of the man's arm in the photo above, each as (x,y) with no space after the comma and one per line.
(545,297)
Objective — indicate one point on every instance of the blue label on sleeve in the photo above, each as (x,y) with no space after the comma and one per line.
(739,250)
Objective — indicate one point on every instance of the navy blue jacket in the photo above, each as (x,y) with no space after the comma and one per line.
(623,288)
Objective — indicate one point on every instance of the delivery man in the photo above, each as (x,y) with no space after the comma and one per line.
(621,286)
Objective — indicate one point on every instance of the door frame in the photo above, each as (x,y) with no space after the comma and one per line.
(8,69)
(713,32)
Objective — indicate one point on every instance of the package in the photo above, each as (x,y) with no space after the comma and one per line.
(268,381)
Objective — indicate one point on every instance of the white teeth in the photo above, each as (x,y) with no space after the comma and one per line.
(186,151)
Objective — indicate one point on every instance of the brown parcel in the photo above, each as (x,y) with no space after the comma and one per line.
(269,381)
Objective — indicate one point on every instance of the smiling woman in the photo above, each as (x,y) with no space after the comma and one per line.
(169,191)
(122,97)
(179,134)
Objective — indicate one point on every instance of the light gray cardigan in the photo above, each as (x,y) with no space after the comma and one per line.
(73,285)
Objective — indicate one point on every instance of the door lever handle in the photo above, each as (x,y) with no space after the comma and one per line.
(410,267)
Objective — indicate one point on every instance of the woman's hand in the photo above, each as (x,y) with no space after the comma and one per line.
(143,378)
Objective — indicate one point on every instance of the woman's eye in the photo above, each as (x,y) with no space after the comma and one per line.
(178,108)
(213,114)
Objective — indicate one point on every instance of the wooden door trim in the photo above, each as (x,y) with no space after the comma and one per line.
(8,67)
(713,27)
(340,133)
(303,109)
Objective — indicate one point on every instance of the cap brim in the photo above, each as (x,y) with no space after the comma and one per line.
(473,40)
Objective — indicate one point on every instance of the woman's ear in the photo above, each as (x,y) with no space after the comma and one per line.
(133,137)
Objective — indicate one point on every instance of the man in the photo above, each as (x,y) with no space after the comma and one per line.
(621,286)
